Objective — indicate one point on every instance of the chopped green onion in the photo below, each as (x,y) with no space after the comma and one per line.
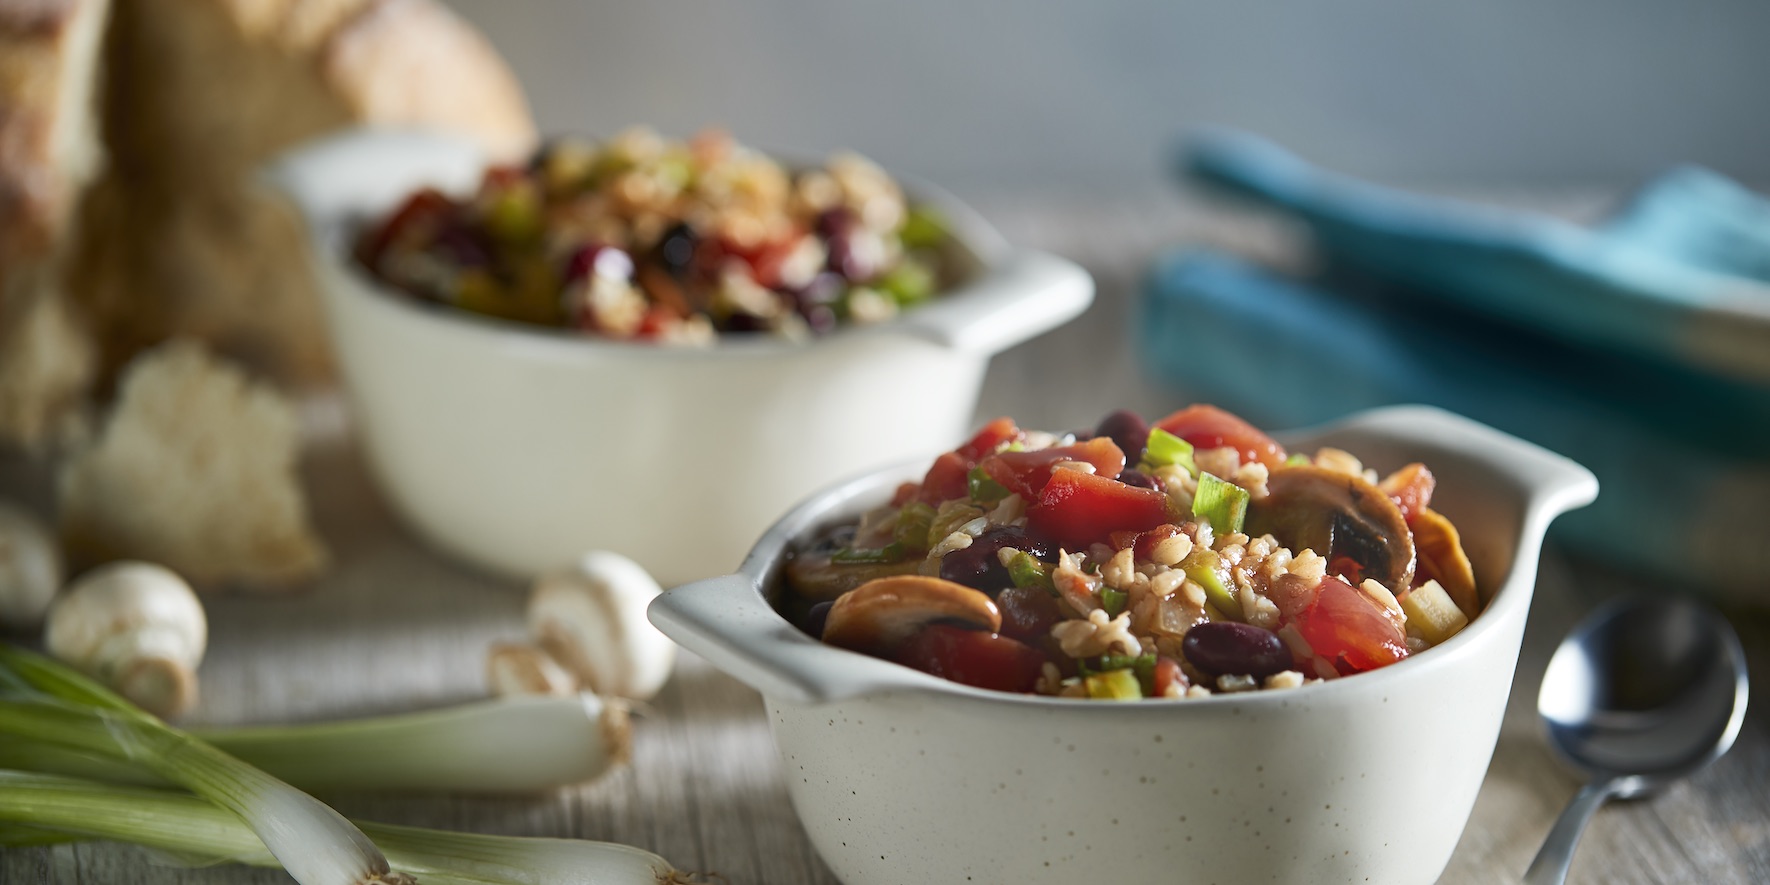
(46,809)
(913,524)
(983,489)
(1164,449)
(1025,570)
(1114,685)
(1296,460)
(909,283)
(922,228)
(315,844)
(1112,600)
(1221,503)
(892,552)
(952,514)
(1204,568)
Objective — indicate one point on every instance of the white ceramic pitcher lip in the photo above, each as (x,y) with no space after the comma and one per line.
(1012,295)
(728,619)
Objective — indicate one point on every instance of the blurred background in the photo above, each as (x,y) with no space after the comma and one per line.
(989,95)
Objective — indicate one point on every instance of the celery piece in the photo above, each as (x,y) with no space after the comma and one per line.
(892,552)
(1296,460)
(913,523)
(1027,571)
(1164,449)
(983,489)
(909,283)
(1114,685)
(922,228)
(1204,569)
(1221,503)
(1112,600)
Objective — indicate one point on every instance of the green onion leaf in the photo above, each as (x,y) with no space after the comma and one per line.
(909,283)
(922,228)
(1112,600)
(1204,568)
(1164,449)
(983,489)
(892,552)
(1296,460)
(1221,503)
(1027,571)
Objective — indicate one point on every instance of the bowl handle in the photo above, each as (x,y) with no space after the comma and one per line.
(343,177)
(1028,293)
(726,621)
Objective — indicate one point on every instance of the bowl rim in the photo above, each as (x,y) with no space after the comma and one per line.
(980,243)
(1551,483)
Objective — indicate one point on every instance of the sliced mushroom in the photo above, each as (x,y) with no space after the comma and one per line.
(1336,514)
(816,576)
(1442,558)
(879,616)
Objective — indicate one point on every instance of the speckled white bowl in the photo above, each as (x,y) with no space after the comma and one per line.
(901,777)
(518,448)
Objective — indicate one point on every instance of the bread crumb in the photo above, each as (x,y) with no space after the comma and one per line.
(195,469)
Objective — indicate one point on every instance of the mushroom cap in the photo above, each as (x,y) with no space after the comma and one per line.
(121,598)
(816,576)
(1336,514)
(878,617)
(1440,550)
(591,618)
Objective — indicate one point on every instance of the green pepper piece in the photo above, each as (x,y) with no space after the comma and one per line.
(922,228)
(1113,601)
(1205,569)
(1114,685)
(1297,459)
(1221,503)
(909,283)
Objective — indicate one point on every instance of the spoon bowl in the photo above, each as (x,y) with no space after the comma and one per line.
(1644,691)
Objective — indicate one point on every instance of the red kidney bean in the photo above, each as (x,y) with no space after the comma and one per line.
(1128,430)
(979,566)
(1228,648)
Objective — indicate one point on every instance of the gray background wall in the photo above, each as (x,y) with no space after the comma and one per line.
(1042,95)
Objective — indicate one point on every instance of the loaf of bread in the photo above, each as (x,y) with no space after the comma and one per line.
(194,468)
(150,225)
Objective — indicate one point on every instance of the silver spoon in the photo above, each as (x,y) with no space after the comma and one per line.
(1643,692)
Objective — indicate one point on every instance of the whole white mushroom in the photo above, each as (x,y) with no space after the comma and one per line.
(138,628)
(590,617)
(30,568)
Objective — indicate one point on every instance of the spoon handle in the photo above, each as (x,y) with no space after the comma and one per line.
(1553,859)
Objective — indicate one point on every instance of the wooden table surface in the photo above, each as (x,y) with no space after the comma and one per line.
(396,627)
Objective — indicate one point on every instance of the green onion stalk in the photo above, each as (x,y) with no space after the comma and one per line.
(43,809)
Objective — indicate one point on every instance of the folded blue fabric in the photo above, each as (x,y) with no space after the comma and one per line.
(1684,463)
(1682,275)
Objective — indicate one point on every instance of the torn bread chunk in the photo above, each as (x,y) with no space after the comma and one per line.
(194,469)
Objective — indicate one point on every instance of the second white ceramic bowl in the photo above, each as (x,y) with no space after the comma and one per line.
(518,448)
(901,777)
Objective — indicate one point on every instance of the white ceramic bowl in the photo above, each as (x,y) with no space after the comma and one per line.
(903,777)
(518,448)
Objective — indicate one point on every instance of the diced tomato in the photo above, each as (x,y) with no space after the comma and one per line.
(1025,473)
(1410,488)
(1167,673)
(764,259)
(1350,629)
(1208,427)
(973,657)
(1076,509)
(906,492)
(949,477)
(1347,568)
(1147,541)
(990,438)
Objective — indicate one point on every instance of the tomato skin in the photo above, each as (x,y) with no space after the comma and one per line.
(1076,509)
(1208,427)
(1410,488)
(1025,473)
(427,206)
(1350,629)
(948,478)
(1167,673)
(973,657)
